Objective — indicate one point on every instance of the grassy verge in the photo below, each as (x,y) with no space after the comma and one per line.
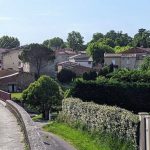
(37,117)
(16,96)
(83,140)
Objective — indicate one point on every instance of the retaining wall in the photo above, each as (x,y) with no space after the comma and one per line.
(31,132)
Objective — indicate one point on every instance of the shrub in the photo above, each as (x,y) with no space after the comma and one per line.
(101,119)
(90,76)
(131,96)
(66,76)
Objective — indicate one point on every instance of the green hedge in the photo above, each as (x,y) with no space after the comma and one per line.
(101,118)
(131,96)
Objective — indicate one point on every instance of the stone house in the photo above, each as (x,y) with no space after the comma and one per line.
(10,59)
(15,81)
(130,59)
(61,55)
(82,59)
(74,67)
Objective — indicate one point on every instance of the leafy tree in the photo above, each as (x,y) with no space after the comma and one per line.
(45,94)
(97,50)
(97,37)
(54,43)
(38,56)
(9,42)
(146,64)
(119,38)
(75,41)
(142,38)
(108,41)
(66,75)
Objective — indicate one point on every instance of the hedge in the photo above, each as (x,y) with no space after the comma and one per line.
(131,96)
(101,118)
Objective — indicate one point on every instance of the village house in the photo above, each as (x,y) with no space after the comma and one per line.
(74,67)
(130,59)
(61,55)
(82,59)
(15,81)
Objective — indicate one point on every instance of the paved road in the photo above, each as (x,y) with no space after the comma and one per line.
(53,142)
(11,137)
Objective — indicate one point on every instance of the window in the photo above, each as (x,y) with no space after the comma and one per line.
(89,62)
(128,61)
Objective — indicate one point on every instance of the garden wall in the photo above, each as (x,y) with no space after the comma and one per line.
(101,118)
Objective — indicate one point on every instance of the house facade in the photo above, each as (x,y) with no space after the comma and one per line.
(15,81)
(10,59)
(130,59)
(82,59)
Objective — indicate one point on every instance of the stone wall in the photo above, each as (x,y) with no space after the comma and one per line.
(31,132)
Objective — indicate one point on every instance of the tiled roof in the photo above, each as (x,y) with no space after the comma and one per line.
(80,57)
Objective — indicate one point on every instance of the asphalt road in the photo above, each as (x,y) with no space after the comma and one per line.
(11,137)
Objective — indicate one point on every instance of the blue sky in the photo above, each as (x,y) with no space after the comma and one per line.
(37,20)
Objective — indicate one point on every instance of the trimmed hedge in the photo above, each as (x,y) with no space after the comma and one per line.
(101,119)
(131,96)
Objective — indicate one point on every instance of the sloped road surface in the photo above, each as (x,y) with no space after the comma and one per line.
(11,137)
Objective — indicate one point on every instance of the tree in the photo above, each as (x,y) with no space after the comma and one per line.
(75,41)
(146,64)
(97,50)
(97,37)
(142,38)
(66,76)
(54,43)
(9,42)
(38,56)
(45,94)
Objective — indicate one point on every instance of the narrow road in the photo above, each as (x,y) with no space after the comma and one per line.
(53,142)
(11,137)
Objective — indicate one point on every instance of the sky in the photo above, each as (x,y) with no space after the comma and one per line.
(33,21)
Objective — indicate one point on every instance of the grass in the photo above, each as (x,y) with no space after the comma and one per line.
(83,140)
(16,96)
(37,117)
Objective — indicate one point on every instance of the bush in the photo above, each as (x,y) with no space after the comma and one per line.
(101,119)
(90,76)
(66,76)
(131,96)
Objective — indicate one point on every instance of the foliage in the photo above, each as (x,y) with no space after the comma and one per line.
(124,75)
(44,93)
(90,76)
(9,42)
(66,76)
(75,41)
(106,70)
(16,95)
(54,43)
(133,96)
(97,50)
(119,49)
(37,55)
(142,38)
(101,119)
(97,37)
(83,140)
(146,64)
